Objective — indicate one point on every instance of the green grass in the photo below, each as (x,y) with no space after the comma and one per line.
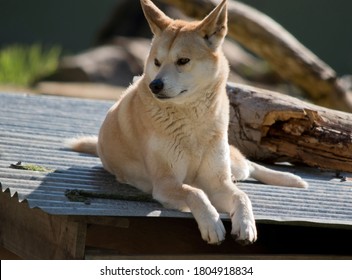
(20,65)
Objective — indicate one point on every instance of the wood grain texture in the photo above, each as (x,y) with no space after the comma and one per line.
(34,234)
(267,125)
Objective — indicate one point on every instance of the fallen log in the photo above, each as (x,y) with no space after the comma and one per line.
(280,49)
(269,126)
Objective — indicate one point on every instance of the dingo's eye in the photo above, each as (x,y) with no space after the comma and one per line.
(182,61)
(157,63)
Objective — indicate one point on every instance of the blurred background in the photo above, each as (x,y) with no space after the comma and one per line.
(105,42)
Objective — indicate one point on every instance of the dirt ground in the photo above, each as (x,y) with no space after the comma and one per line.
(79,90)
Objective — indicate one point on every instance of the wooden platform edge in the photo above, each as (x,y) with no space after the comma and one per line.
(34,234)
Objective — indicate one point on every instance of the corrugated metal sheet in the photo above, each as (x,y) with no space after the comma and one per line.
(32,129)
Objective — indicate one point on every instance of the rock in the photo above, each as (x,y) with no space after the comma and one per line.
(113,64)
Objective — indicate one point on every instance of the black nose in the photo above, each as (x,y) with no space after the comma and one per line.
(156,86)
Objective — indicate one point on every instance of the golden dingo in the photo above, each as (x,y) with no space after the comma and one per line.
(168,134)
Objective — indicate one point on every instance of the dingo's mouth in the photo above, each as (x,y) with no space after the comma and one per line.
(163,96)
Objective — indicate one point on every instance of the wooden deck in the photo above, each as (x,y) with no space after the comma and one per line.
(55,203)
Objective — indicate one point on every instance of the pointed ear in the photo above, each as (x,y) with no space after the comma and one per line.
(157,20)
(213,27)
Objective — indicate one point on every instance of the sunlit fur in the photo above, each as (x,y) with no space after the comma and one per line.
(174,144)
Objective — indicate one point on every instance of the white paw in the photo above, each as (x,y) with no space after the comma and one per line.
(243,226)
(212,230)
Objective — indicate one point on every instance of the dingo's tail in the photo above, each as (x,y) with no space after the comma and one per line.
(273,177)
(85,144)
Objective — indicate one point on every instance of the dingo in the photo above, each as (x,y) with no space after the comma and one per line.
(168,134)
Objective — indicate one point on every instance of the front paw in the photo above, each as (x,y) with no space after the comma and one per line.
(212,230)
(243,227)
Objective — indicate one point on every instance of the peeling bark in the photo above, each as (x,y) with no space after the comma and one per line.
(270,126)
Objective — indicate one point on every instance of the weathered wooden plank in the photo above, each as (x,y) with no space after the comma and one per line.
(93,254)
(34,234)
(7,255)
(148,237)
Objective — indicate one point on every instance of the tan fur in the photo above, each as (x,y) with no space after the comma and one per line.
(85,144)
(172,142)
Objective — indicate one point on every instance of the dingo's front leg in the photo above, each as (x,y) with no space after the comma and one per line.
(242,218)
(182,197)
(215,179)
(226,197)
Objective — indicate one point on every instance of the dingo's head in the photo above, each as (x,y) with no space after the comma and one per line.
(185,57)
